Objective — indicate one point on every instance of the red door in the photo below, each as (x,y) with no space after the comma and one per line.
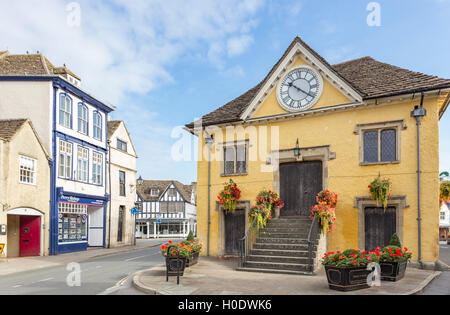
(30,235)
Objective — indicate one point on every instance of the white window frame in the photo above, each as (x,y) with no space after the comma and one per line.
(65,111)
(234,146)
(97,125)
(27,173)
(82,164)
(65,159)
(83,119)
(97,168)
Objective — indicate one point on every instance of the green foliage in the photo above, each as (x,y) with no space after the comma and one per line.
(380,190)
(349,252)
(351,258)
(393,253)
(190,236)
(395,241)
(444,194)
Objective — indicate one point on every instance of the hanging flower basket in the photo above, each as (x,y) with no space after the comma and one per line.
(266,203)
(229,196)
(444,195)
(380,190)
(325,210)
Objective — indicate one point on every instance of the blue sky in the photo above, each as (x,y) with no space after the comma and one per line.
(165,63)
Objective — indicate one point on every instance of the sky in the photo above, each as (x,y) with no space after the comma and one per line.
(164,63)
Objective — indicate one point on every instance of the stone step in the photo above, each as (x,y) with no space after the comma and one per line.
(286,229)
(279,259)
(289,272)
(278,266)
(282,252)
(271,240)
(298,220)
(276,225)
(265,234)
(283,247)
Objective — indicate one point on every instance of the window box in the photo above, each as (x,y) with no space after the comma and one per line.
(393,271)
(347,278)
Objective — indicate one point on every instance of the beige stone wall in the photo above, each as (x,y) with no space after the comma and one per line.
(126,162)
(17,195)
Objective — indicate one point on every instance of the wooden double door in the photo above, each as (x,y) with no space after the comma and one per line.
(299,185)
(379,226)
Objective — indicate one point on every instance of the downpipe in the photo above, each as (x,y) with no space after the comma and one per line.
(418,113)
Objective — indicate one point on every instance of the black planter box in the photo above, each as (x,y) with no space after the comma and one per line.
(171,265)
(347,278)
(393,271)
(193,259)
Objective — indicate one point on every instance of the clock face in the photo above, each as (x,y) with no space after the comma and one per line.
(300,89)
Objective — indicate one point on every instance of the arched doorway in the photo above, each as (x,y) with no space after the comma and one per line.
(25,232)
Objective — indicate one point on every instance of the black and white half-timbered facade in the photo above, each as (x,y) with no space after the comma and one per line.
(167,208)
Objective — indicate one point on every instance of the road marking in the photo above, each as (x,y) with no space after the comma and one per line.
(98,267)
(43,280)
(130,259)
(18,286)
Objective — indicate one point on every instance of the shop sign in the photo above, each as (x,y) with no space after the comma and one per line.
(84,201)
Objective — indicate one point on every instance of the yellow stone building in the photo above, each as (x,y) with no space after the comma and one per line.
(353,121)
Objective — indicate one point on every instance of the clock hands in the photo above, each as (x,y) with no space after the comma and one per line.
(301,90)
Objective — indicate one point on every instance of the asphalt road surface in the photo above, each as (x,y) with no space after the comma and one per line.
(441,285)
(102,275)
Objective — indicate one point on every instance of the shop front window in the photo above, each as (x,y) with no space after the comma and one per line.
(72,222)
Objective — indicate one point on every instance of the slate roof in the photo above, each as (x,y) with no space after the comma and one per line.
(112,127)
(144,189)
(30,64)
(9,127)
(369,77)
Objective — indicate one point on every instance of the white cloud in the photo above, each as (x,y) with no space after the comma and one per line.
(123,48)
(238,45)
(127,46)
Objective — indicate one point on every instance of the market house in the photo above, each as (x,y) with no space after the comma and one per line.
(353,121)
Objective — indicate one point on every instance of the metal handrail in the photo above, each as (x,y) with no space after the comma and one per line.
(313,225)
(245,244)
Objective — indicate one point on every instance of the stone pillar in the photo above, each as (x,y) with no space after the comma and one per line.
(148,229)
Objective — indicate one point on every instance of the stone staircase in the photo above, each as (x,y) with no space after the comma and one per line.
(282,247)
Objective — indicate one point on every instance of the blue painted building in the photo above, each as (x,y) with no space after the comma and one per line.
(73,127)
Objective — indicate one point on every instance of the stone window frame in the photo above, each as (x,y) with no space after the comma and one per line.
(223,145)
(360,129)
(400,203)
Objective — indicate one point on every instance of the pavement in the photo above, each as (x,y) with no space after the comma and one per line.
(213,276)
(22,264)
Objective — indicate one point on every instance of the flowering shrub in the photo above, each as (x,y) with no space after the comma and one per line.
(393,253)
(444,195)
(196,246)
(328,197)
(324,210)
(380,190)
(266,201)
(184,250)
(351,258)
(229,196)
(326,217)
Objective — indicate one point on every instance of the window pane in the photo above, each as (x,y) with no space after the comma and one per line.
(388,145)
(371,146)
(229,160)
(241,163)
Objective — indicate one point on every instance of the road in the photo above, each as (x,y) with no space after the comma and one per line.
(97,276)
(441,285)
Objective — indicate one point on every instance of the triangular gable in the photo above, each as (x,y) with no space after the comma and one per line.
(298,48)
(122,123)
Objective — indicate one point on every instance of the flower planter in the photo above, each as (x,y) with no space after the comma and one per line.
(193,259)
(171,265)
(393,271)
(347,278)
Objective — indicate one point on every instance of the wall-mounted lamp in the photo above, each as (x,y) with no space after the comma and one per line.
(140,181)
